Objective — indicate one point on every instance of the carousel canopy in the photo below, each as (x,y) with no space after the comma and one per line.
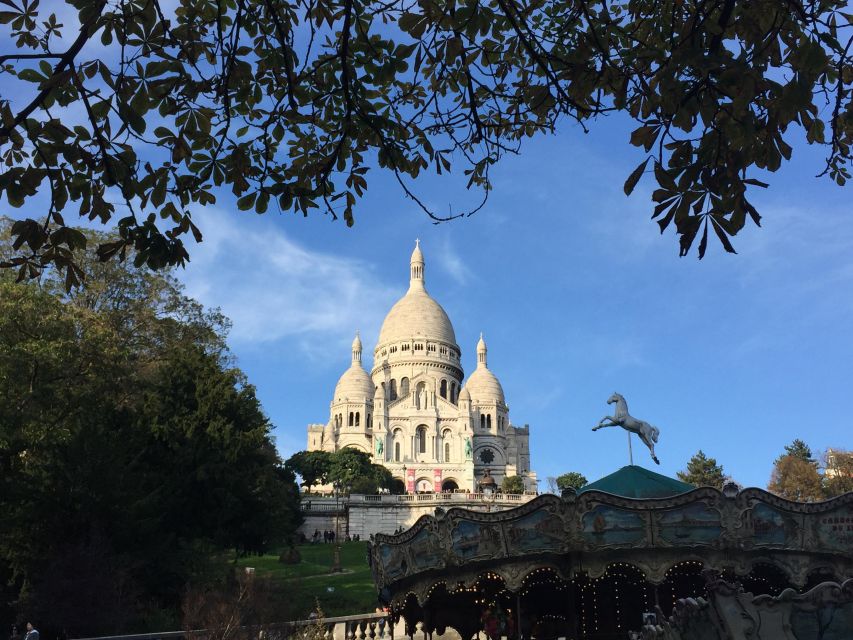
(635,482)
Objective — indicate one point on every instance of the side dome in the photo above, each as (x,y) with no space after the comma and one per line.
(354,384)
(483,385)
(417,314)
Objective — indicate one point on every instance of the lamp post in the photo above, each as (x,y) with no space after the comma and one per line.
(336,557)
(405,481)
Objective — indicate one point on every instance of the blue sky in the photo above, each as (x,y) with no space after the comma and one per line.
(578,295)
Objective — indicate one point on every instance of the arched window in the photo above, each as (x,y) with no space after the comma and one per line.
(482,421)
(404,387)
(453,395)
(350,418)
(447,452)
(488,422)
(443,389)
(421,439)
(393,393)
(398,444)
(357,418)
(369,421)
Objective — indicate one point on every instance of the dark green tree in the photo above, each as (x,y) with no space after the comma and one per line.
(131,451)
(353,469)
(799,449)
(572,479)
(512,484)
(312,466)
(129,106)
(703,471)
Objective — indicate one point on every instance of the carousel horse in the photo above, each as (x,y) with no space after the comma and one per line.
(621,418)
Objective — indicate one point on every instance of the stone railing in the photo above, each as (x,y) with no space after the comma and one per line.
(365,626)
(453,499)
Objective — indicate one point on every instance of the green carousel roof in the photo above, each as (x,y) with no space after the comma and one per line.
(635,482)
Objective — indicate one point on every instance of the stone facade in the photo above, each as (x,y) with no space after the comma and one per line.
(413,414)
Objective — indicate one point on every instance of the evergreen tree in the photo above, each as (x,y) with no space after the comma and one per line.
(703,471)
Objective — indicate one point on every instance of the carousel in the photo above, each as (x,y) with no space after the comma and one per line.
(634,555)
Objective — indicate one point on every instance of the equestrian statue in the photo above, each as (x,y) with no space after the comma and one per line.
(621,418)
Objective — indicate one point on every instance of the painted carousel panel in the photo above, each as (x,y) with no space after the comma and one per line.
(537,531)
(475,540)
(693,524)
(605,526)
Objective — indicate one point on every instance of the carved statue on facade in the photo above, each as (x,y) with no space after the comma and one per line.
(621,418)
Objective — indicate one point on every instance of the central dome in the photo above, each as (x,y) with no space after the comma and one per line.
(416,314)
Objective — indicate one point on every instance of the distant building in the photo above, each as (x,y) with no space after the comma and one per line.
(413,413)
(839,464)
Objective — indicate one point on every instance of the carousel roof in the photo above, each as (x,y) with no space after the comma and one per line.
(636,482)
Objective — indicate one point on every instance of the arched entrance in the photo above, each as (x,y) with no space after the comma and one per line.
(424,485)
(449,486)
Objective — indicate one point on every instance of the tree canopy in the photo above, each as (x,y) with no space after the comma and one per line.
(703,471)
(352,470)
(512,484)
(132,451)
(572,479)
(796,479)
(132,113)
(799,449)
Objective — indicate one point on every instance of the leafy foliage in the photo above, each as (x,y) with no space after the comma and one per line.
(131,450)
(796,479)
(311,466)
(141,113)
(703,471)
(572,479)
(349,468)
(512,484)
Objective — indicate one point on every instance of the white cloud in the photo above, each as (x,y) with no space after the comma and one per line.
(449,261)
(272,288)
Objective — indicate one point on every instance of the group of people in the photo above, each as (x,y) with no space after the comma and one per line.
(329,537)
(32,633)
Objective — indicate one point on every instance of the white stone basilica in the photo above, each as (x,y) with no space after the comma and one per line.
(412,412)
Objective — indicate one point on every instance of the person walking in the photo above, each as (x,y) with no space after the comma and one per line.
(32,632)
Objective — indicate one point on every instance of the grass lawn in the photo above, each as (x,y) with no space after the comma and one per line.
(339,594)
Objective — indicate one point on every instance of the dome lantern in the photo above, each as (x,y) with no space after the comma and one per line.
(481,352)
(416,268)
(356,349)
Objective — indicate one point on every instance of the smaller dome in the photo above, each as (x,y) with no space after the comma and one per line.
(355,385)
(464,395)
(356,343)
(483,386)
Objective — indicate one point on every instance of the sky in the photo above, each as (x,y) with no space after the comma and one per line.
(577,294)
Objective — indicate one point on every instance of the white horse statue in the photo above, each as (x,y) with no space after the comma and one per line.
(621,418)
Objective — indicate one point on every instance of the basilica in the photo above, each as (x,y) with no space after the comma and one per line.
(415,413)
